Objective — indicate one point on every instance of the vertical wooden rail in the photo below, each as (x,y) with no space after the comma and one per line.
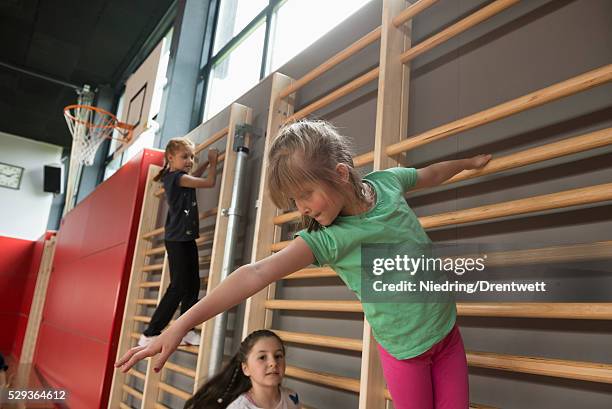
(148,219)
(150,391)
(256,316)
(38,302)
(239,114)
(391,126)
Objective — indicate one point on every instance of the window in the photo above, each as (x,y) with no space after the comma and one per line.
(294,29)
(234,15)
(252,38)
(235,73)
(112,167)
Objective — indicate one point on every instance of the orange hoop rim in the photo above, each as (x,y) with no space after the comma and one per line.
(113,123)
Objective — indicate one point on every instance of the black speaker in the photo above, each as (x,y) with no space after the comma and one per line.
(53,179)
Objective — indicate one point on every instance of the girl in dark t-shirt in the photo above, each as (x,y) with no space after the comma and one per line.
(180,232)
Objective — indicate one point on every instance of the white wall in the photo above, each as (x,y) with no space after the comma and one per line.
(24,213)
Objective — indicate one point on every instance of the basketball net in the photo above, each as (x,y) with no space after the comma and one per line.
(89,127)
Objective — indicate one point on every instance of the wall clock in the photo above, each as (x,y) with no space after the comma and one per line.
(10,176)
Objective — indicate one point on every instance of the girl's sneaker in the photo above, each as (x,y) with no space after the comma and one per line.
(143,341)
(191,338)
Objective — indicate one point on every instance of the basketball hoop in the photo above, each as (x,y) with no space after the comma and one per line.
(89,127)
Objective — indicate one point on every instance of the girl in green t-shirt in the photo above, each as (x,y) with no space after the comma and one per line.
(310,167)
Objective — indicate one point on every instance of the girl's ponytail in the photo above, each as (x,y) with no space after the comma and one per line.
(162,172)
(222,389)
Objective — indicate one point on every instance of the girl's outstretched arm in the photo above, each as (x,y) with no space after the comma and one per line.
(440,172)
(194,180)
(241,284)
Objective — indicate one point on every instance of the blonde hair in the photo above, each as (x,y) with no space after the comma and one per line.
(174,145)
(308,151)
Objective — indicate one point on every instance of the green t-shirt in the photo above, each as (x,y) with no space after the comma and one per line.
(405,330)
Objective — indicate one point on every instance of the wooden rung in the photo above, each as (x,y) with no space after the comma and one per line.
(322,378)
(568,146)
(155,250)
(351,50)
(597,311)
(205,238)
(146,301)
(174,391)
(203,215)
(319,305)
(559,90)
(142,318)
(208,213)
(320,340)
(411,11)
(567,198)
(364,159)
(552,201)
(279,245)
(554,254)
(335,95)
(526,157)
(158,405)
(152,267)
(137,374)
(592,311)
(286,217)
(189,348)
(338,382)
(132,391)
(314,272)
(214,138)
(124,406)
(150,284)
(326,379)
(180,369)
(558,368)
(457,28)
(153,233)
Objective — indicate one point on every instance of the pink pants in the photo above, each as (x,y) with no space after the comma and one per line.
(438,378)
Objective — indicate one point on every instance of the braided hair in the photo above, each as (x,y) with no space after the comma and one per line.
(231,382)
(172,148)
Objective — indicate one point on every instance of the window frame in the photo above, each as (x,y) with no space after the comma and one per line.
(209,60)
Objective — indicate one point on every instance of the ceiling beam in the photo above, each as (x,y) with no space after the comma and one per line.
(38,75)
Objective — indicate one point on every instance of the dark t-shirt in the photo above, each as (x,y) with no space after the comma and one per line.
(182,221)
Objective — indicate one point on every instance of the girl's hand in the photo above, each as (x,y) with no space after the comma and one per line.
(213,154)
(164,345)
(478,161)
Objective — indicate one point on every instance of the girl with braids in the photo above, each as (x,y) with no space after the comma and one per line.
(251,380)
(311,168)
(181,230)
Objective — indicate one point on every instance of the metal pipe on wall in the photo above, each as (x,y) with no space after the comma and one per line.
(233,213)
